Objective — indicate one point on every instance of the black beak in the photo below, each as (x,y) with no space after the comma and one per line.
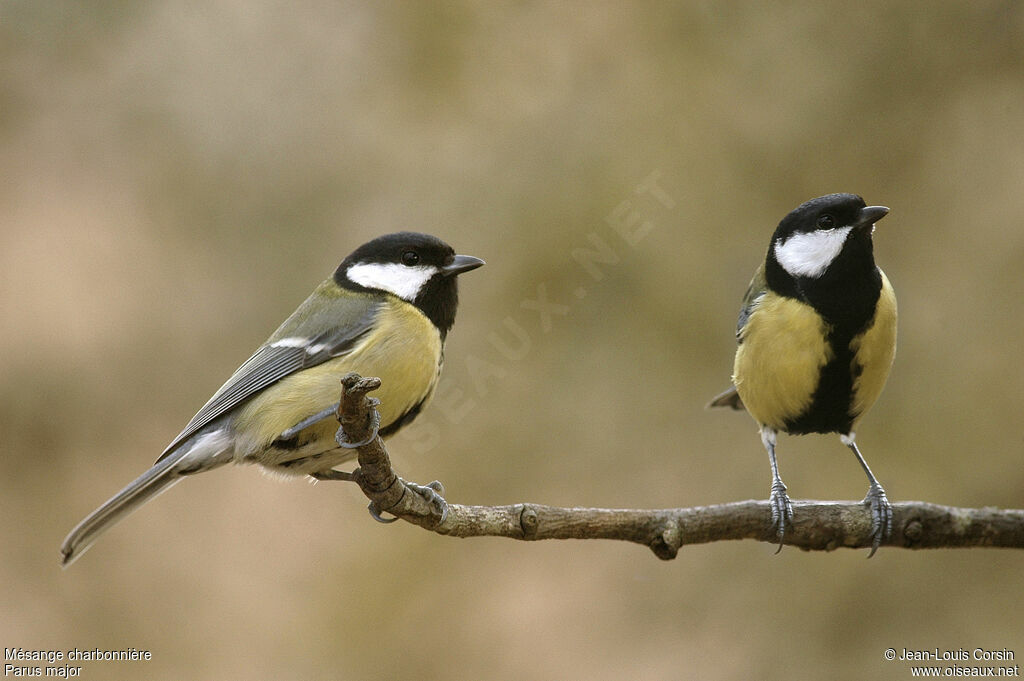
(869,215)
(460,264)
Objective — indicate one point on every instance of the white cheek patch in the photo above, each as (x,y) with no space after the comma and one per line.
(405,282)
(809,254)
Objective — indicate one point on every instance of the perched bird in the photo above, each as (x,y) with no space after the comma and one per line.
(385,313)
(816,338)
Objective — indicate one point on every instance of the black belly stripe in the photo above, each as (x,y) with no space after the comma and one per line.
(403,420)
(849,316)
(830,407)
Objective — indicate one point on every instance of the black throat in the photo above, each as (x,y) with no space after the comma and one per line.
(846,296)
(438,299)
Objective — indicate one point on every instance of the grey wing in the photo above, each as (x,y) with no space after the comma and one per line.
(755,290)
(731,397)
(283,354)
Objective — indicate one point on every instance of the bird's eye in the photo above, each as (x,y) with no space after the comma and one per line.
(826,222)
(410,258)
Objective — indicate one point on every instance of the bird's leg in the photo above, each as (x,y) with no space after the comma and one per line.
(332,411)
(331,474)
(431,493)
(782,508)
(881,509)
(307,422)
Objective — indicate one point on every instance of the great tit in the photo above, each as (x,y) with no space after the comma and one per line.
(385,313)
(816,338)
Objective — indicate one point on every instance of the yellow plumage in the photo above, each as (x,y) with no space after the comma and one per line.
(782,349)
(408,375)
(875,350)
(385,312)
(817,336)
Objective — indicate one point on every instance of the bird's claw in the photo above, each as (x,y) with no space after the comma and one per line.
(375,513)
(782,510)
(341,437)
(881,515)
(431,493)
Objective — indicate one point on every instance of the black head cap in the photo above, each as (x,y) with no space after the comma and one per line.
(391,248)
(825,212)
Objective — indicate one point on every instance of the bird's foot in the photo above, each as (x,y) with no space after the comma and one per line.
(782,510)
(332,474)
(881,515)
(431,493)
(342,438)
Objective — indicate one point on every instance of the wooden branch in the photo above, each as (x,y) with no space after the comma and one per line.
(816,526)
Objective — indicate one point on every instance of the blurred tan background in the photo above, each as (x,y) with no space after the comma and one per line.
(178,176)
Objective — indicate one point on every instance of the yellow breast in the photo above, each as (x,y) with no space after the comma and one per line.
(782,350)
(404,351)
(784,347)
(875,350)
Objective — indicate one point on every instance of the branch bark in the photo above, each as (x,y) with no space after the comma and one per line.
(816,526)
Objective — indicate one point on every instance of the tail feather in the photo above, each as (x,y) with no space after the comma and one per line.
(729,398)
(145,487)
(211,447)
